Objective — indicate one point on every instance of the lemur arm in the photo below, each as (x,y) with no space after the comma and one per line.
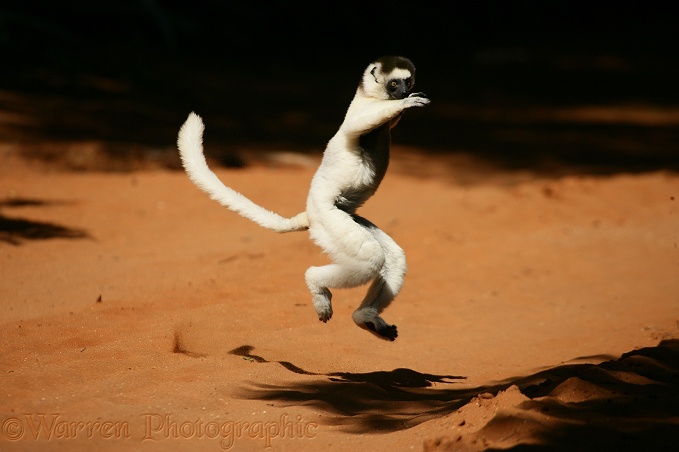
(368,116)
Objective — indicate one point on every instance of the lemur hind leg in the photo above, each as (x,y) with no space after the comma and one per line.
(358,257)
(383,290)
(336,276)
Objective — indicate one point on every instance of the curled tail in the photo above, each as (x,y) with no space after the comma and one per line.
(190,144)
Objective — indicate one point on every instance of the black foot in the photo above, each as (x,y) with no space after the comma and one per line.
(386,332)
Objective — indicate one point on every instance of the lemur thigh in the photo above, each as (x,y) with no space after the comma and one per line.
(336,276)
(345,240)
(355,264)
(384,288)
(391,275)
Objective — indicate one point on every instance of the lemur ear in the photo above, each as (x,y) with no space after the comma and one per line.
(372,72)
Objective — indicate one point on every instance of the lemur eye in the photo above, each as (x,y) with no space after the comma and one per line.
(394,83)
(409,82)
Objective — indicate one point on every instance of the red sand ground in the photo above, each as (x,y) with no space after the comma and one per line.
(138,314)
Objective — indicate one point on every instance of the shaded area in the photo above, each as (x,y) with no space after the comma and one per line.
(619,402)
(554,147)
(124,75)
(180,346)
(16,230)
(382,400)
(398,377)
(24,202)
(628,404)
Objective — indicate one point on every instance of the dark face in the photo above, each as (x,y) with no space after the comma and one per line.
(398,88)
(388,78)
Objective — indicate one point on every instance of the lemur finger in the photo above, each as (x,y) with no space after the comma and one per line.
(419,95)
(415,102)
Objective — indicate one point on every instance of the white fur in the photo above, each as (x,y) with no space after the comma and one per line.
(348,175)
(190,144)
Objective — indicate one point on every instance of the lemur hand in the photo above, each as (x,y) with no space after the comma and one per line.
(416,100)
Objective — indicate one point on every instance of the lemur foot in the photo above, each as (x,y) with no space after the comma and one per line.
(323,305)
(383,331)
(325,316)
(369,319)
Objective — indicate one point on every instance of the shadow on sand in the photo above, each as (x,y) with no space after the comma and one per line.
(623,402)
(16,230)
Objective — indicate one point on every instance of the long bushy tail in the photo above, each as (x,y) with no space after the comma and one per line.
(190,144)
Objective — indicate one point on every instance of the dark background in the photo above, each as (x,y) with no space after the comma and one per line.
(281,74)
